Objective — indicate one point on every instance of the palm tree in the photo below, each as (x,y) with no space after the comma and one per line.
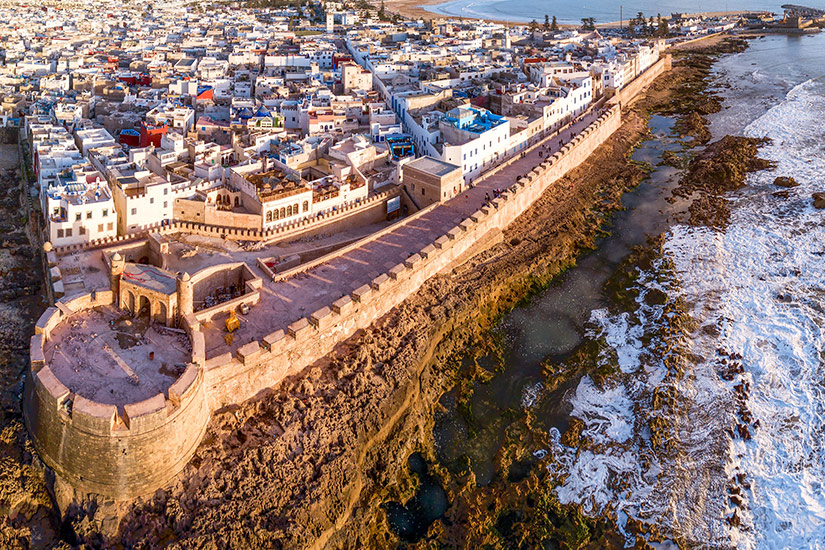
(664,29)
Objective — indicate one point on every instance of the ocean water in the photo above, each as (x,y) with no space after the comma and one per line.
(711,426)
(744,461)
(604,11)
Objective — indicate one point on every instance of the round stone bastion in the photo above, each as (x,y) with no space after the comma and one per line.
(113,402)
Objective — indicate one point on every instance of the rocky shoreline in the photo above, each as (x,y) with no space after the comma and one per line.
(308,464)
(26,507)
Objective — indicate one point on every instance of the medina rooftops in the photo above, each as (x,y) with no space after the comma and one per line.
(473,120)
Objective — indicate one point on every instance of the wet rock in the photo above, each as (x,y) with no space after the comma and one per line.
(819,200)
(785,181)
(695,125)
(572,434)
(722,167)
(734,520)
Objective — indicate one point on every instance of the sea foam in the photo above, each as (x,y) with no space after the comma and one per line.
(754,290)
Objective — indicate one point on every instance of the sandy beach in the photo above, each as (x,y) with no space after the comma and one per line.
(416,9)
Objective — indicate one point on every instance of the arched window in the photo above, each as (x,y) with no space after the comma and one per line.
(295,209)
(283,212)
(306,206)
(237,201)
(289,210)
(276,213)
(269,216)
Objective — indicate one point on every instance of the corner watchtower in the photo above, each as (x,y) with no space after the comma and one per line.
(185,296)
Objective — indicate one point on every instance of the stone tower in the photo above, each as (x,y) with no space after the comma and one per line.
(118,265)
(185,296)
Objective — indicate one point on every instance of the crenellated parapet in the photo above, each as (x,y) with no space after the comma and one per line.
(233,377)
(118,450)
(130,448)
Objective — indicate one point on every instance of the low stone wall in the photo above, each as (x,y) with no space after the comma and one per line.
(209,279)
(234,378)
(120,452)
(293,261)
(287,273)
(368,211)
(250,297)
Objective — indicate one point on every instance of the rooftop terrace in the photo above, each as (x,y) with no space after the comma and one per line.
(476,121)
(103,354)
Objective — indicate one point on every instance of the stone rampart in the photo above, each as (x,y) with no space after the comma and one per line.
(234,378)
(638,84)
(121,452)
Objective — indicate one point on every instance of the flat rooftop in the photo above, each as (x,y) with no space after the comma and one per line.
(102,354)
(151,277)
(432,165)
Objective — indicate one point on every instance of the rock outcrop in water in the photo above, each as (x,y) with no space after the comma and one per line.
(719,169)
(689,99)
(785,181)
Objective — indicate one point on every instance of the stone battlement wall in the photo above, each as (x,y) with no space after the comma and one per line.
(234,378)
(133,450)
(121,452)
(638,84)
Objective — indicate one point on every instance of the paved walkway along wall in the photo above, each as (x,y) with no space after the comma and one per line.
(233,378)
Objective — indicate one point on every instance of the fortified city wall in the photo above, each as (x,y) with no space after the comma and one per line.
(100,448)
(638,84)
(132,450)
(234,378)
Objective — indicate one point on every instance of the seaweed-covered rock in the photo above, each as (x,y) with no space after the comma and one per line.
(722,167)
(694,125)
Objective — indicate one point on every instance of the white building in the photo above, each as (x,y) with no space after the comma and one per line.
(92,138)
(143,200)
(79,208)
(473,139)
